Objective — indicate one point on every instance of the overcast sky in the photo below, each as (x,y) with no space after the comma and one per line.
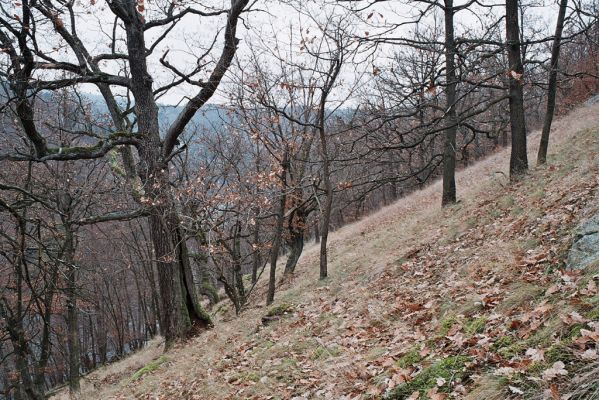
(269,20)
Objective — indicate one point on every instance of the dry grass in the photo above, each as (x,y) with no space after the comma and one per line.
(106,381)
(348,326)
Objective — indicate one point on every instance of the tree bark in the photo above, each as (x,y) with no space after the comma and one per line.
(296,244)
(180,306)
(72,315)
(552,85)
(276,245)
(256,259)
(519,157)
(449,153)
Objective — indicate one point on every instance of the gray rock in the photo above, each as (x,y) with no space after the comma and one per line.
(591,101)
(585,249)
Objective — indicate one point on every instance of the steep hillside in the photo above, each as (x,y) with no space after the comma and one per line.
(467,302)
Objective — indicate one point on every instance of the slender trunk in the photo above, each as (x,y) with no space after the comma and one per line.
(328,203)
(274,251)
(449,153)
(72,316)
(316,233)
(256,261)
(237,272)
(552,86)
(519,157)
(46,343)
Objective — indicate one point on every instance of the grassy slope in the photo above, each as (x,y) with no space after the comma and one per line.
(415,293)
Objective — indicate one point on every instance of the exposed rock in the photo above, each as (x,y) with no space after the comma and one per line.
(585,249)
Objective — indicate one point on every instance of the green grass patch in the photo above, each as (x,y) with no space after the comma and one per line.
(410,358)
(513,349)
(450,369)
(476,325)
(558,352)
(446,324)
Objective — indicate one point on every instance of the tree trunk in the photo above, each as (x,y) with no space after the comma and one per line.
(519,157)
(552,86)
(256,259)
(180,306)
(328,203)
(296,244)
(72,316)
(276,245)
(449,153)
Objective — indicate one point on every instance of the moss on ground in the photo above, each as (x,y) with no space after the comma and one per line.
(450,369)
(558,352)
(446,324)
(513,349)
(324,352)
(593,315)
(410,358)
(502,342)
(280,310)
(150,367)
(476,325)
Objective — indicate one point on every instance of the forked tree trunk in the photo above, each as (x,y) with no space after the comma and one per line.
(451,120)
(519,157)
(180,308)
(552,84)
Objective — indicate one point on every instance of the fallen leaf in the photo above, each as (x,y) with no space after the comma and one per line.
(558,368)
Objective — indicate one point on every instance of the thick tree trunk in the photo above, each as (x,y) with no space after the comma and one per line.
(451,119)
(180,307)
(519,157)
(296,244)
(180,304)
(552,85)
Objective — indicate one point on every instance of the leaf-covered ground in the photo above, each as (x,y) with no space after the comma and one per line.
(467,302)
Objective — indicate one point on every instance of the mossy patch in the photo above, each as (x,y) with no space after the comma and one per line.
(506,201)
(450,369)
(446,324)
(150,367)
(247,376)
(537,368)
(503,342)
(410,358)
(593,315)
(280,310)
(324,352)
(513,349)
(558,352)
(476,325)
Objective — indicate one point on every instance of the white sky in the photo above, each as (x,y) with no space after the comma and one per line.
(276,20)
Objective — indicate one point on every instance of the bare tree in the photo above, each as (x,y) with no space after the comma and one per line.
(180,305)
